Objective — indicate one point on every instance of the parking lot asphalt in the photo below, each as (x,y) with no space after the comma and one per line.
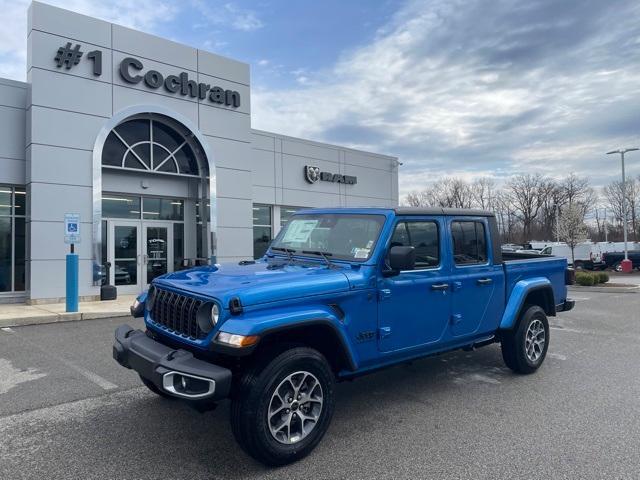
(67,410)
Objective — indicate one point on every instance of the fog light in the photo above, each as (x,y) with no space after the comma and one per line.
(237,341)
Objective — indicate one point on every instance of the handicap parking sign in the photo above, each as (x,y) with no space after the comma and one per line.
(72,228)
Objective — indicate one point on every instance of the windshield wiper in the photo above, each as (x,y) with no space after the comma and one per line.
(324,255)
(288,251)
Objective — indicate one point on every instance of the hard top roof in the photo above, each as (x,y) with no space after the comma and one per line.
(442,211)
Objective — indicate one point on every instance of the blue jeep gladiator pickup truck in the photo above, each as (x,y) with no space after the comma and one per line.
(339,293)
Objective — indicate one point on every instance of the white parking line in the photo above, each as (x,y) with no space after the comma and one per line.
(563,329)
(92,377)
(557,356)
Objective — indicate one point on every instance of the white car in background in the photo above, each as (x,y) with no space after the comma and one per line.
(588,255)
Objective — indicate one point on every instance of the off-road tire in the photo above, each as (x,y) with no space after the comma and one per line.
(514,350)
(253,393)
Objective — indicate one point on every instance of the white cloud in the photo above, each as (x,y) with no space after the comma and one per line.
(456,87)
(228,14)
(139,14)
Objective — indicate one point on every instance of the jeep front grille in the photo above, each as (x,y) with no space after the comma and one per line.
(177,313)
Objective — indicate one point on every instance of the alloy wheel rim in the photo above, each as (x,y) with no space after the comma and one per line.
(295,407)
(535,340)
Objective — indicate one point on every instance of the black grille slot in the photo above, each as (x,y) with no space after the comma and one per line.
(177,313)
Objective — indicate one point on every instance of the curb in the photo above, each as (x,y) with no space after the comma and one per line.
(629,289)
(59,317)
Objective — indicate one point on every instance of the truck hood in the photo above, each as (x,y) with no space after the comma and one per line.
(258,283)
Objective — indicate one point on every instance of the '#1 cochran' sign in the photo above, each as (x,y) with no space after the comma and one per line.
(132,71)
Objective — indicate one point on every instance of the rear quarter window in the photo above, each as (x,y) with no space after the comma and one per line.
(469,242)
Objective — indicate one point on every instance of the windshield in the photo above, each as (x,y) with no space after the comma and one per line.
(339,236)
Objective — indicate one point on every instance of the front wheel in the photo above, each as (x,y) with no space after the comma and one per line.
(282,408)
(525,347)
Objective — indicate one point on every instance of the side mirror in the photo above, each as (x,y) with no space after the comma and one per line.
(401,258)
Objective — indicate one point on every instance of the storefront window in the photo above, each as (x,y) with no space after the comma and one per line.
(120,206)
(261,229)
(162,209)
(286,213)
(12,239)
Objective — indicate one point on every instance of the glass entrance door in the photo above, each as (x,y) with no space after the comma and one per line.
(158,250)
(138,253)
(124,256)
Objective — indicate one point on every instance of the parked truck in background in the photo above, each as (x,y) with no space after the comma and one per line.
(339,293)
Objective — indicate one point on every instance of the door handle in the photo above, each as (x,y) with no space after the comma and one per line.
(145,259)
(439,286)
(484,281)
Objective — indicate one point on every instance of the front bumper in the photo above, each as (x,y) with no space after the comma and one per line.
(174,371)
(566,306)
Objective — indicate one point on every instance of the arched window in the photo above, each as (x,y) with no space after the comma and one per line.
(150,145)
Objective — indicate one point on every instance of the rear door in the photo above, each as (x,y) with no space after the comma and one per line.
(414,306)
(477,285)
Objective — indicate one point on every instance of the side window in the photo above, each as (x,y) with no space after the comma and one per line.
(469,242)
(423,236)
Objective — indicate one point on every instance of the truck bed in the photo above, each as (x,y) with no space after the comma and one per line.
(528,266)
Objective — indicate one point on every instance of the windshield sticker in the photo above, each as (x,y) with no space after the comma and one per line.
(299,231)
(370,244)
(361,253)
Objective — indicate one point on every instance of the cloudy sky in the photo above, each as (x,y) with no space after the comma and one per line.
(451,87)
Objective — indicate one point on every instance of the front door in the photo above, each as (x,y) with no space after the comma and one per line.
(124,255)
(157,257)
(414,306)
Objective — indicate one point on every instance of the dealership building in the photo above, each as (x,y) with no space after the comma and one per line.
(149,144)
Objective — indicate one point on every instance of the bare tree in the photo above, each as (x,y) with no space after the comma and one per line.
(483,193)
(577,191)
(527,192)
(571,228)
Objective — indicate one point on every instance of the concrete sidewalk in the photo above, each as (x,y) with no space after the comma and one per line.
(16,314)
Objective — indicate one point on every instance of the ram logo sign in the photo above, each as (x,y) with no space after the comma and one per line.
(312,174)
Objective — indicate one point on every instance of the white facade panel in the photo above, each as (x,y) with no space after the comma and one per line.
(310,150)
(151,47)
(221,123)
(233,183)
(64,129)
(124,97)
(48,164)
(233,212)
(50,202)
(47,18)
(263,165)
(70,93)
(230,153)
(235,242)
(12,132)
(222,67)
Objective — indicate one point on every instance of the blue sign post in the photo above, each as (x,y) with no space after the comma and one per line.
(72,236)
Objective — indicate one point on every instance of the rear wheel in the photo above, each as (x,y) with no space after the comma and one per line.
(282,408)
(525,347)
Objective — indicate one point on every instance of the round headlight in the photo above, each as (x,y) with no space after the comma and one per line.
(151,298)
(215,313)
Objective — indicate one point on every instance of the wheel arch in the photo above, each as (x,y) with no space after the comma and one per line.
(528,292)
(320,334)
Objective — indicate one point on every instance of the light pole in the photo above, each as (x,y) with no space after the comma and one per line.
(626,267)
